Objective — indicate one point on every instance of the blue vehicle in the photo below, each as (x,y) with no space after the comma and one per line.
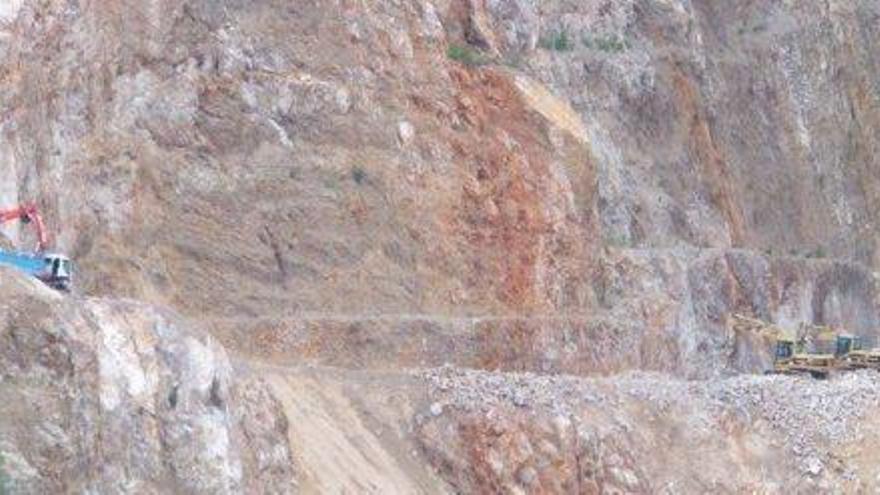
(52,268)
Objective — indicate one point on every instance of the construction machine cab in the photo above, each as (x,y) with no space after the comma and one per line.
(846,344)
(784,350)
(58,271)
(53,269)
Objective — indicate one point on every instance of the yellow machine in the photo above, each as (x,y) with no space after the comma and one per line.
(852,355)
(787,361)
(812,349)
(790,355)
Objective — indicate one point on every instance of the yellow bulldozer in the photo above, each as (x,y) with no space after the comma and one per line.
(852,355)
(812,349)
(790,359)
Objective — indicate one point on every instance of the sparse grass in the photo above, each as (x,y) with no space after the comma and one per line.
(609,44)
(466,55)
(514,61)
(619,241)
(4,478)
(817,253)
(745,29)
(559,41)
(332,181)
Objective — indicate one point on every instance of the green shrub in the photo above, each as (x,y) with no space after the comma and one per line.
(619,241)
(559,41)
(609,44)
(466,55)
(746,29)
(358,175)
(514,61)
(4,479)
(819,252)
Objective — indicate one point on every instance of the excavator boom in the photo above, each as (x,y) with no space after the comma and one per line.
(28,213)
(52,268)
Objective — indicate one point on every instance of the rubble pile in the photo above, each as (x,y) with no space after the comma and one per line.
(809,418)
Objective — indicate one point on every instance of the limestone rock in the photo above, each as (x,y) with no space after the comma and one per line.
(114,396)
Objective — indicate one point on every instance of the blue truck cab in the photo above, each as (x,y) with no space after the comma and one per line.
(55,270)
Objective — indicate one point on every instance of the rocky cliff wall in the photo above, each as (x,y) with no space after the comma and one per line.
(205,157)
(111,396)
(450,159)
(562,188)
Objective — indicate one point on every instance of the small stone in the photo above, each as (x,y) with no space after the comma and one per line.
(520,400)
(433,28)
(436,409)
(343,100)
(403,46)
(480,30)
(405,132)
(527,476)
(624,476)
(813,466)
(354,30)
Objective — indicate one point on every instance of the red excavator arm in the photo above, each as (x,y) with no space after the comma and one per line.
(28,213)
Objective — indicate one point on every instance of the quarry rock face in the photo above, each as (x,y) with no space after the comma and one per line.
(337,193)
(113,397)
(458,158)
(263,176)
